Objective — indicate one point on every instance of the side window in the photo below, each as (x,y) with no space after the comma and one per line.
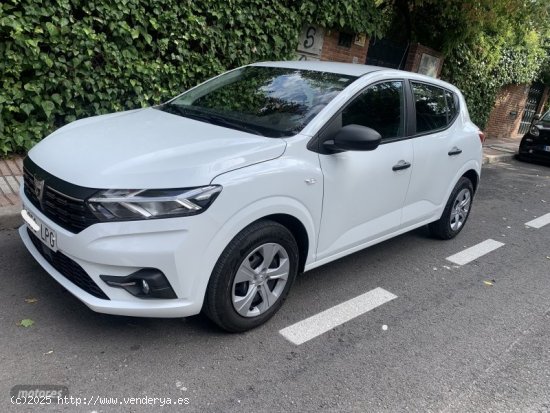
(431,107)
(452,103)
(380,107)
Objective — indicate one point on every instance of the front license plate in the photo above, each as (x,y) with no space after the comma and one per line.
(546,148)
(41,230)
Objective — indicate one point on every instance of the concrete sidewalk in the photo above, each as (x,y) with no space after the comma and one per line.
(11,171)
(499,150)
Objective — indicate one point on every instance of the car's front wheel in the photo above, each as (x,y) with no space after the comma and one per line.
(456,212)
(252,277)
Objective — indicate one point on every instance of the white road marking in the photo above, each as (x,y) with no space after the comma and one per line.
(472,253)
(324,321)
(539,222)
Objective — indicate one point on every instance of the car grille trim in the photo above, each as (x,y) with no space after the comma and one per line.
(62,202)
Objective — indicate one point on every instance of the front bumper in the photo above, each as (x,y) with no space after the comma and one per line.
(175,246)
(534,152)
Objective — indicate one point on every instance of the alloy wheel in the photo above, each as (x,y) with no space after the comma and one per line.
(260,280)
(461,207)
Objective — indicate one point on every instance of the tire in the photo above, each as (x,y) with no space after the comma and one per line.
(453,219)
(242,293)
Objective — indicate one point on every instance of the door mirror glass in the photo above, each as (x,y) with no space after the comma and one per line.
(354,138)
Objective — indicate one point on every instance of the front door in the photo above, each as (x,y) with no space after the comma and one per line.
(364,191)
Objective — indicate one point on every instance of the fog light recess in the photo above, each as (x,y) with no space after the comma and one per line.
(145,283)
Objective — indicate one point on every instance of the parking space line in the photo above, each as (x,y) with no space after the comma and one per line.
(539,222)
(472,253)
(324,321)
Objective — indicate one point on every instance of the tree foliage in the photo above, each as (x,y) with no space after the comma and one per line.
(68,59)
(487,43)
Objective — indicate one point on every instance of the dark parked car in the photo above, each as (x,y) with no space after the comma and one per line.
(535,145)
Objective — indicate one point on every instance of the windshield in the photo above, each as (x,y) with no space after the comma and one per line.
(268,101)
(546,117)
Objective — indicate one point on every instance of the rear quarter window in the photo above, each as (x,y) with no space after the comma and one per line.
(436,108)
(452,104)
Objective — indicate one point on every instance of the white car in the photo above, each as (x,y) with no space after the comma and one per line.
(216,200)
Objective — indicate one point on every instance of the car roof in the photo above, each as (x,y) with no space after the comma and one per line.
(353,69)
(350,69)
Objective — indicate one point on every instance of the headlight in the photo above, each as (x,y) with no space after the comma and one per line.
(534,131)
(131,204)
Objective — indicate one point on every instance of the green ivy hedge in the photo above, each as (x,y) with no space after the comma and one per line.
(481,68)
(68,59)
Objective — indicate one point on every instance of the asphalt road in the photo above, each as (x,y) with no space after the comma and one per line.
(453,343)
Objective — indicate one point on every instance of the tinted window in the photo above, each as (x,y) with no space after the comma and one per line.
(270,101)
(431,107)
(379,107)
(452,103)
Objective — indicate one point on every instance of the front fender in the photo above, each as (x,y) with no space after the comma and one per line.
(278,186)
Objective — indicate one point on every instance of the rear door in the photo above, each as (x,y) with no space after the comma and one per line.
(439,144)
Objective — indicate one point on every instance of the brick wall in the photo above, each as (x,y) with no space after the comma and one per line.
(414,56)
(506,115)
(332,52)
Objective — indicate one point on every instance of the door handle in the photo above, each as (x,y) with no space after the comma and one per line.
(455,151)
(401,165)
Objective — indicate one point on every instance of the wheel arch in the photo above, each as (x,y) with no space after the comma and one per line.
(472,175)
(298,231)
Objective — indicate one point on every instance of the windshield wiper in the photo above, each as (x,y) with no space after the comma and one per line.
(221,121)
(209,118)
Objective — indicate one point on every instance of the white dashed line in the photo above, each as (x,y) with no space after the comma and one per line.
(318,324)
(472,253)
(539,222)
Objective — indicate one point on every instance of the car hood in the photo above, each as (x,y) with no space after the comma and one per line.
(148,148)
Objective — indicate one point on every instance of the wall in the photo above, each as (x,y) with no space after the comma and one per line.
(414,57)
(506,115)
(332,52)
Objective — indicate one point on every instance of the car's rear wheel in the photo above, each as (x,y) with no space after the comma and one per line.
(456,212)
(252,277)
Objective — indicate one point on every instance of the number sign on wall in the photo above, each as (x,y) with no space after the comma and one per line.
(310,43)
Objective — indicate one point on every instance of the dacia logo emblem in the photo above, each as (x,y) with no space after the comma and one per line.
(38,188)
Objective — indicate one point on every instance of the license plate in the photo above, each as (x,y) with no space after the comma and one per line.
(41,230)
(546,148)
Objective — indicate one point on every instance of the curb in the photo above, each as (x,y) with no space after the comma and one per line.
(490,159)
(10,217)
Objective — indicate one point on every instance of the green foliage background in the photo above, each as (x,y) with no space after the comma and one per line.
(487,43)
(68,59)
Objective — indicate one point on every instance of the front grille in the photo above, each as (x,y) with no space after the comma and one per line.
(68,268)
(60,201)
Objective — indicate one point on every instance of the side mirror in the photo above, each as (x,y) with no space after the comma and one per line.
(536,117)
(354,138)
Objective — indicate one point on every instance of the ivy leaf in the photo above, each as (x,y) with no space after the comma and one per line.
(48,107)
(27,108)
(56,97)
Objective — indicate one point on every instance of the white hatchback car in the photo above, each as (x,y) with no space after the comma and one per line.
(216,200)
